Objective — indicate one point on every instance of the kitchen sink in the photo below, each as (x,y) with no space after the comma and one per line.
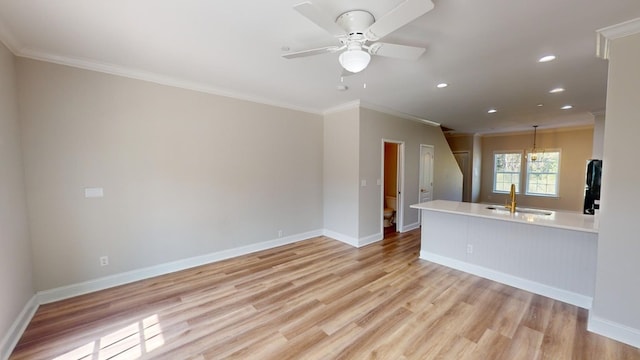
(521,210)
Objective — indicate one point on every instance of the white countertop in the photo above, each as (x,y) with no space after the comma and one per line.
(558,219)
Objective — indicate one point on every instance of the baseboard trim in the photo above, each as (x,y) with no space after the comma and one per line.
(10,340)
(613,330)
(410,227)
(370,239)
(568,297)
(341,237)
(106,282)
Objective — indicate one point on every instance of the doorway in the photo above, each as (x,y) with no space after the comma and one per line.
(463,159)
(425,191)
(391,204)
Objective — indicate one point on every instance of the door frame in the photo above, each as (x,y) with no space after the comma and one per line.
(433,152)
(399,181)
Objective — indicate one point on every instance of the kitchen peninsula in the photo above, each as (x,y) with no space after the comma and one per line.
(551,253)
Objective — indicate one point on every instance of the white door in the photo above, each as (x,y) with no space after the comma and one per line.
(426,173)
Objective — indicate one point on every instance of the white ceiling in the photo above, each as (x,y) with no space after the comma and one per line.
(486,50)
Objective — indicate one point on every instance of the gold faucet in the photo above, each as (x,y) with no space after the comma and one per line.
(512,199)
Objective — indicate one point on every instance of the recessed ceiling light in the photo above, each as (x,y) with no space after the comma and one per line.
(556,90)
(540,105)
(491,111)
(442,85)
(547,58)
(567,107)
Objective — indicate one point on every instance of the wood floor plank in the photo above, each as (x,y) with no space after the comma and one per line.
(560,333)
(439,333)
(525,345)
(316,299)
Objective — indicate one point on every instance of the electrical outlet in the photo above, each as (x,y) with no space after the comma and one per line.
(469,249)
(279,233)
(104,260)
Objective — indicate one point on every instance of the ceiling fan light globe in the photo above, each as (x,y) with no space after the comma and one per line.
(354,60)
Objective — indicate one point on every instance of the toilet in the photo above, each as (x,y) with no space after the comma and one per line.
(389,210)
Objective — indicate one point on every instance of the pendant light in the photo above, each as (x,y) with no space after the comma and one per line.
(533,153)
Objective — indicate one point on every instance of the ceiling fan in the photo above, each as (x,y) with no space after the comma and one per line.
(355,28)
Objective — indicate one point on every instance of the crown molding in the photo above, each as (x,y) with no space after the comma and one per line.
(553,130)
(7,38)
(396,113)
(362,104)
(610,33)
(342,107)
(157,78)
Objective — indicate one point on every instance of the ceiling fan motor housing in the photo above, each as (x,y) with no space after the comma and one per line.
(355,22)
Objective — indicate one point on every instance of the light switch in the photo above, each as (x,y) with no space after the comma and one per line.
(93,192)
(363,183)
(379,182)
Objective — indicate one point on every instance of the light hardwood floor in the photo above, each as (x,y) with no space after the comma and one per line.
(316,299)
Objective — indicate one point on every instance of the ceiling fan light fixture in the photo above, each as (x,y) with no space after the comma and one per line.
(547,58)
(354,60)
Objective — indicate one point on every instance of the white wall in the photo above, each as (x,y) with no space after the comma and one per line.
(616,305)
(184,173)
(375,126)
(341,142)
(598,137)
(16,286)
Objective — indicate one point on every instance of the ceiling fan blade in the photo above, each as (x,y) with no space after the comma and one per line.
(319,17)
(396,51)
(400,16)
(311,52)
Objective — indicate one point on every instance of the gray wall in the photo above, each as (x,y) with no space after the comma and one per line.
(341,133)
(476,183)
(375,126)
(16,286)
(184,173)
(353,153)
(617,291)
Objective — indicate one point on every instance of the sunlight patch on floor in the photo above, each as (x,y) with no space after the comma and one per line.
(127,343)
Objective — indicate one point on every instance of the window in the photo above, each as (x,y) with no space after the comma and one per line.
(506,171)
(543,174)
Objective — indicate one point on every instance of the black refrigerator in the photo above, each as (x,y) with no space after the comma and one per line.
(592,188)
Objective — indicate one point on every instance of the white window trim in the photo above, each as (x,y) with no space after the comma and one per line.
(493,159)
